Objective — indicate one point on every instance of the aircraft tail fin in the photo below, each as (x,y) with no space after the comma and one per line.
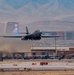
(27,32)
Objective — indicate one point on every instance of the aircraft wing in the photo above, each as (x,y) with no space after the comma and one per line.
(49,36)
(12,36)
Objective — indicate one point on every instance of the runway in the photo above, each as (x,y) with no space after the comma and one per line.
(44,67)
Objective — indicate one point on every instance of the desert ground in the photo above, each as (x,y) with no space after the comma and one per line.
(37,73)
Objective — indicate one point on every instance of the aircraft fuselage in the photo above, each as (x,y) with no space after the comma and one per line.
(34,36)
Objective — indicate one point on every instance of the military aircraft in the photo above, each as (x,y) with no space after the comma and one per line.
(37,35)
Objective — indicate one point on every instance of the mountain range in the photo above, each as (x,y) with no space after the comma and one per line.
(27,11)
(50,26)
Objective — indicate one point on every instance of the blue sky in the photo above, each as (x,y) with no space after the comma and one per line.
(27,11)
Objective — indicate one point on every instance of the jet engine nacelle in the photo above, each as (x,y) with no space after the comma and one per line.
(37,38)
(31,38)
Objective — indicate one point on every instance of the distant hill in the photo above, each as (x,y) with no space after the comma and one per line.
(26,11)
(52,25)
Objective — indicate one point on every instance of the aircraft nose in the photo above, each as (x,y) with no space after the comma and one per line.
(22,38)
(40,32)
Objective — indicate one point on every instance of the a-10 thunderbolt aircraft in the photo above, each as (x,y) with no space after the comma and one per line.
(36,35)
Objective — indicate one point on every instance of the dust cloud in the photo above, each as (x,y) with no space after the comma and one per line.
(14,45)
